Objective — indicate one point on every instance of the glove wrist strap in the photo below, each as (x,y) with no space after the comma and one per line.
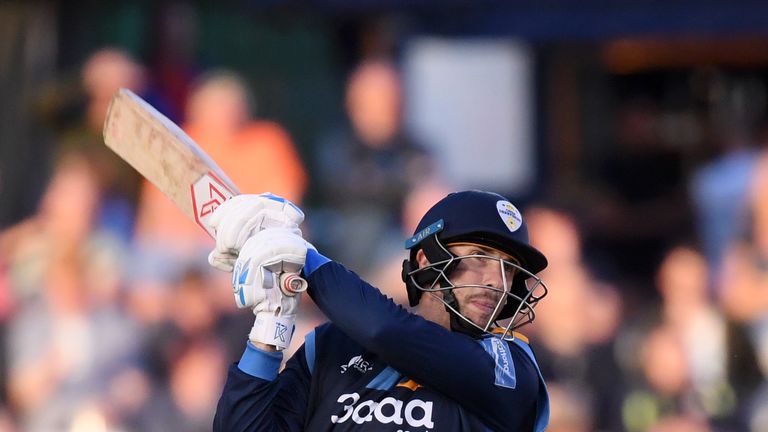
(273,330)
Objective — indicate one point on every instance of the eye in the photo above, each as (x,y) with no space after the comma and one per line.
(510,270)
(478,258)
(472,260)
(467,263)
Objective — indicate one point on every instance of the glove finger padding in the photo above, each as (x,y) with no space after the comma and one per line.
(263,258)
(256,278)
(224,261)
(242,216)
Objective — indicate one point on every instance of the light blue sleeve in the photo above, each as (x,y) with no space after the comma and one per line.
(259,363)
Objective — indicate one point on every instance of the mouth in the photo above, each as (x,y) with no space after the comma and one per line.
(484,305)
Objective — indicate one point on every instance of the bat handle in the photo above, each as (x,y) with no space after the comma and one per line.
(292,284)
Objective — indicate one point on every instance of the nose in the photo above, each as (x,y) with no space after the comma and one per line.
(493,278)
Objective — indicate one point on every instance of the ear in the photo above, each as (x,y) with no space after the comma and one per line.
(421,258)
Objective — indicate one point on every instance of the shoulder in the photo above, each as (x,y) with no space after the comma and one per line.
(514,361)
(329,333)
(524,354)
(328,337)
(327,346)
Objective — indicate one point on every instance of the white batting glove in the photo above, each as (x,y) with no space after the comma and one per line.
(244,215)
(264,257)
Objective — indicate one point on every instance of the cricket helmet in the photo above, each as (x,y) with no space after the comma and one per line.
(486,219)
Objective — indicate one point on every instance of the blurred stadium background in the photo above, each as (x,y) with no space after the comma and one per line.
(631,133)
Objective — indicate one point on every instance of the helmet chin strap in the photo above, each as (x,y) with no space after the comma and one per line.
(458,324)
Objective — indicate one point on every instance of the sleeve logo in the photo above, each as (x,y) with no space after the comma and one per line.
(358,363)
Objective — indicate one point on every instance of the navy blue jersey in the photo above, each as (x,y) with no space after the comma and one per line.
(378,367)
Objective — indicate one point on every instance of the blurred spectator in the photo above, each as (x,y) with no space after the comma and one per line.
(687,308)
(195,385)
(680,424)
(69,337)
(366,169)
(102,74)
(196,315)
(743,288)
(63,227)
(718,192)
(386,274)
(743,283)
(575,328)
(188,401)
(570,412)
(664,389)
(257,155)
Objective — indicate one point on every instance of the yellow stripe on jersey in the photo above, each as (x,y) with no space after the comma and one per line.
(514,334)
(410,384)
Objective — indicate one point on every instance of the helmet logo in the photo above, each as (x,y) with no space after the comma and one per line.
(421,235)
(509,214)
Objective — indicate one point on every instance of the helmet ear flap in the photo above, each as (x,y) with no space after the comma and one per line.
(414,293)
(416,278)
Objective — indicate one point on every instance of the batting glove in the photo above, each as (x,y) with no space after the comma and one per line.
(263,263)
(244,215)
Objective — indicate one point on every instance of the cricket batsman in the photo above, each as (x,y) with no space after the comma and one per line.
(455,363)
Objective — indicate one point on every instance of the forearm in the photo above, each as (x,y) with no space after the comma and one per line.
(255,398)
(245,404)
(451,363)
(417,347)
(359,309)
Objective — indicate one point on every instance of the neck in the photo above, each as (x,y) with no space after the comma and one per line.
(432,309)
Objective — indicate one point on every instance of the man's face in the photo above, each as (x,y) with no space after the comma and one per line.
(482,269)
(480,304)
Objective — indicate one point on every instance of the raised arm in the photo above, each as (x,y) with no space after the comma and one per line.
(452,363)
(257,398)
(494,379)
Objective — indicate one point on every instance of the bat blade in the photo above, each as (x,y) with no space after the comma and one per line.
(166,156)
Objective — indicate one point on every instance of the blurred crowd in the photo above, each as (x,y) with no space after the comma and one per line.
(656,318)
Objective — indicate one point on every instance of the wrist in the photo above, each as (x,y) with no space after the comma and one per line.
(274,332)
(263,346)
(260,363)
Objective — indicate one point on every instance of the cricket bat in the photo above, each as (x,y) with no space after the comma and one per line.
(166,156)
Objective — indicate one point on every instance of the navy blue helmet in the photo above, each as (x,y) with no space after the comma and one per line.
(482,218)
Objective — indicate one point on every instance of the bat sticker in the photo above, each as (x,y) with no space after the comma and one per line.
(208,193)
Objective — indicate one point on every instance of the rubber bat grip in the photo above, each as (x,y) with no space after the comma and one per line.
(292,284)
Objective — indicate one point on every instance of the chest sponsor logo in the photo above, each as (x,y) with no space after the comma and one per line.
(357,363)
(505,367)
(414,413)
